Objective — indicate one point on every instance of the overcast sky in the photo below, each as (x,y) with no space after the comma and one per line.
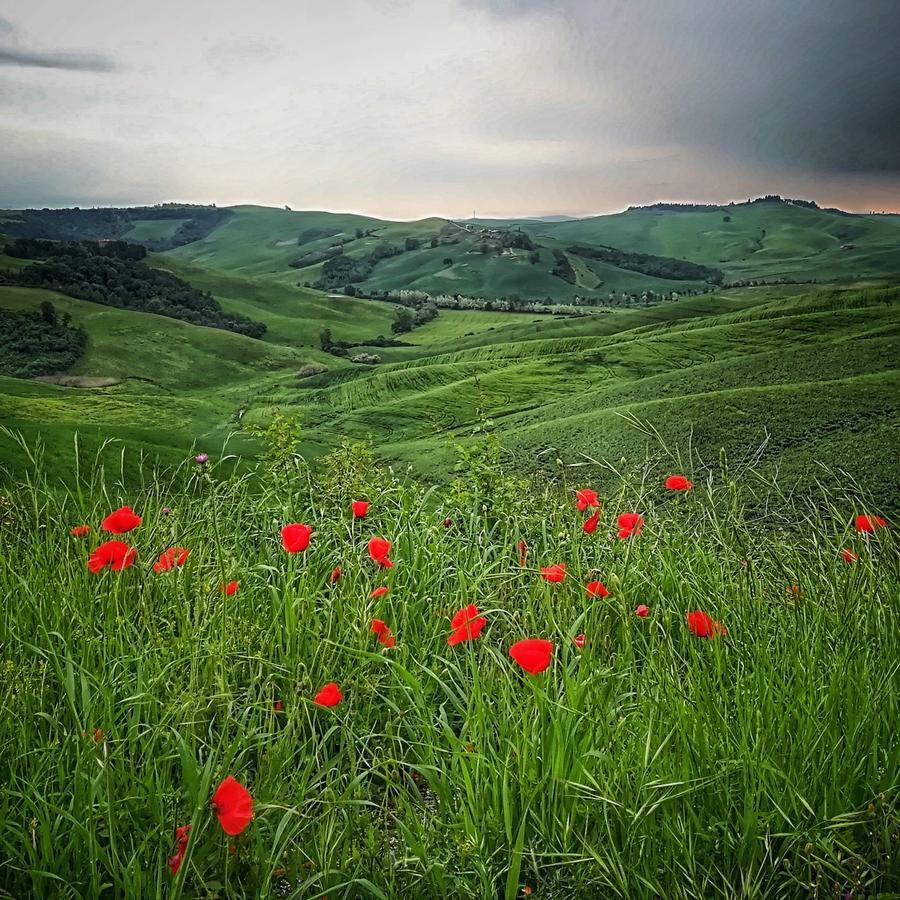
(403,108)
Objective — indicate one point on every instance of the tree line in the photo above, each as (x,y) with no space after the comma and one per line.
(39,342)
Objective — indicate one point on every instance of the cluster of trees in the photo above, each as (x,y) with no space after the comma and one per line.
(656,266)
(110,223)
(342,348)
(512,303)
(406,318)
(562,268)
(39,343)
(342,270)
(112,274)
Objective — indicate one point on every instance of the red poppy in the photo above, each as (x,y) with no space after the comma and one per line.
(378,551)
(380,591)
(278,705)
(360,508)
(642,611)
(229,589)
(330,695)
(466,625)
(533,654)
(630,524)
(523,553)
(678,483)
(115,554)
(703,625)
(233,805)
(121,521)
(848,555)
(81,530)
(554,573)
(295,537)
(597,589)
(590,525)
(868,524)
(181,842)
(385,635)
(578,641)
(586,499)
(171,559)
(335,575)
(796,590)
(448,522)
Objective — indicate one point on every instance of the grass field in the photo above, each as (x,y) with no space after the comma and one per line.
(647,763)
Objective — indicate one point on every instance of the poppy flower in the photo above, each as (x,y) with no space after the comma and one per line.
(590,525)
(586,499)
(523,553)
(121,521)
(233,806)
(380,591)
(171,559)
(278,705)
(630,524)
(848,555)
(642,611)
(796,590)
(703,625)
(335,575)
(385,635)
(181,842)
(868,524)
(81,530)
(578,641)
(115,554)
(360,508)
(597,589)
(533,654)
(678,483)
(330,695)
(554,573)
(466,625)
(378,551)
(295,537)
(230,589)
(448,522)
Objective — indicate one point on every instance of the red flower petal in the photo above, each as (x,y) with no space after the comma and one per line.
(380,591)
(597,589)
(233,806)
(330,695)
(295,537)
(578,641)
(81,530)
(585,499)
(703,625)
(335,574)
(678,483)
(523,553)
(385,636)
(554,573)
(848,555)
(121,521)
(181,842)
(533,654)
(590,525)
(630,524)
(360,508)
(378,552)
(115,554)
(868,524)
(229,589)
(171,559)
(642,611)
(466,625)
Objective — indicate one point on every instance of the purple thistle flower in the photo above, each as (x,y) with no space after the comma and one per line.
(166,511)
(201,459)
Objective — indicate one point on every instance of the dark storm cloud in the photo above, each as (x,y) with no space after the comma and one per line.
(73,61)
(811,84)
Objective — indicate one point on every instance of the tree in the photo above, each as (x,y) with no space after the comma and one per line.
(403,321)
(434,242)
(325,340)
(534,257)
(360,233)
(448,261)
(48,312)
(485,248)
(412,243)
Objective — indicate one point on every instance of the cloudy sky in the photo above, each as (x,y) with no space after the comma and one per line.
(403,108)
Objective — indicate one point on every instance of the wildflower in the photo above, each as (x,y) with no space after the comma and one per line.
(201,459)
(796,590)
(181,842)
(166,511)
(171,559)
(448,522)
(360,509)
(533,654)
(642,611)
(848,555)
(466,625)
(115,554)
(380,591)
(868,524)
(81,530)
(233,806)
(330,695)
(523,553)
(578,641)
(590,525)
(335,575)
(630,524)
(295,537)
(554,573)
(121,521)
(229,589)
(378,552)
(278,705)
(678,483)
(597,589)
(586,499)
(703,625)
(385,635)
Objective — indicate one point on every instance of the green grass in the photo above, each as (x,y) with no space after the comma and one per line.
(763,764)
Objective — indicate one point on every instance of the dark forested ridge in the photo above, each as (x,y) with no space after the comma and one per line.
(38,343)
(109,223)
(647,264)
(112,273)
